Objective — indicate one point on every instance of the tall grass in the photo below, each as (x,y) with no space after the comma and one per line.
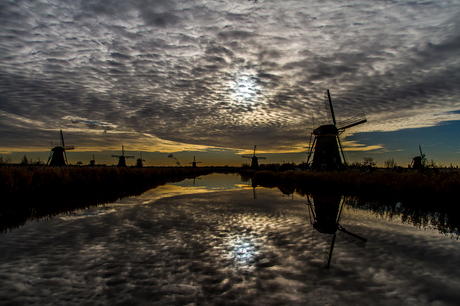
(31,192)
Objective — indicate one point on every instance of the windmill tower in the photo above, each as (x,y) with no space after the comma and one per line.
(326,213)
(194,162)
(417,160)
(92,162)
(57,156)
(122,158)
(254,159)
(140,161)
(326,147)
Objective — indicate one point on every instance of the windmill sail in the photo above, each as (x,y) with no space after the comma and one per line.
(58,156)
(326,148)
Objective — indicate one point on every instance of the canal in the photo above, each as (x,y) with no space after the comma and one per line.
(218,240)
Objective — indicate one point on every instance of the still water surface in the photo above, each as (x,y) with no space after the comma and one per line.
(218,241)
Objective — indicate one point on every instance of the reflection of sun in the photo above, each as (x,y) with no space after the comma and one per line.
(243,251)
(245,87)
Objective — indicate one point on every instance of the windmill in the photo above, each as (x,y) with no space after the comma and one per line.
(122,158)
(140,161)
(417,160)
(254,160)
(57,155)
(326,213)
(194,162)
(92,162)
(326,144)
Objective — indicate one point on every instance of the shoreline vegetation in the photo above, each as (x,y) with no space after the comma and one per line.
(36,192)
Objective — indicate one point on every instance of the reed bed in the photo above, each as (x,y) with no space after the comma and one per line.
(31,192)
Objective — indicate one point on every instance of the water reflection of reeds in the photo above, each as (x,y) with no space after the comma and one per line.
(424,200)
(39,192)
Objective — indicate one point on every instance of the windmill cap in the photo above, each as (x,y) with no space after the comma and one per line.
(326,129)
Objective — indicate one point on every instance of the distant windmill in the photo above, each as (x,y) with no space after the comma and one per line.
(326,144)
(122,158)
(92,162)
(417,160)
(58,157)
(140,161)
(194,162)
(326,217)
(254,159)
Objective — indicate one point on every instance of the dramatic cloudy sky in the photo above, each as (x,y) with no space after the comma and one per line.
(220,76)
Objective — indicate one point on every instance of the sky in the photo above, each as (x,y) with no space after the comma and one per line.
(212,79)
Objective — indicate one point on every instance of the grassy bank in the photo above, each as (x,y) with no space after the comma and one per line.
(413,185)
(30,192)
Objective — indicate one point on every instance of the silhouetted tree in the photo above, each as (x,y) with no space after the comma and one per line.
(369,162)
(390,163)
(5,160)
(24,160)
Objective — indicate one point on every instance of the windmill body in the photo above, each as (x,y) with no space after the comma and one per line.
(194,162)
(254,160)
(140,162)
(326,147)
(327,154)
(58,157)
(92,162)
(122,158)
(417,160)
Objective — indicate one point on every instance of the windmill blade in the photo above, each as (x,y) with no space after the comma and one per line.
(353,238)
(341,150)
(69,148)
(122,150)
(254,150)
(130,156)
(311,151)
(328,251)
(421,154)
(244,156)
(65,157)
(261,157)
(198,162)
(330,106)
(62,139)
(353,121)
(116,156)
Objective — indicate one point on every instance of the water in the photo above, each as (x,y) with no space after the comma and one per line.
(218,241)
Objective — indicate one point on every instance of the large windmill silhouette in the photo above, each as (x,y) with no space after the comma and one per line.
(326,213)
(122,158)
(194,162)
(326,147)
(57,156)
(254,159)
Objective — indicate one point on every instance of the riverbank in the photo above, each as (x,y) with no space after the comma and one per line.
(31,192)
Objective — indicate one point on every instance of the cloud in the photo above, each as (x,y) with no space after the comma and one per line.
(227,74)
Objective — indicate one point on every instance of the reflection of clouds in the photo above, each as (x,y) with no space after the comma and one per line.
(223,249)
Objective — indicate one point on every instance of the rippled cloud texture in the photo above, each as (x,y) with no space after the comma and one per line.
(221,73)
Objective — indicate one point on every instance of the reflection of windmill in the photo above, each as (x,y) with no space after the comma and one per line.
(122,158)
(140,161)
(254,159)
(253,186)
(194,162)
(92,162)
(57,155)
(326,144)
(417,160)
(326,216)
